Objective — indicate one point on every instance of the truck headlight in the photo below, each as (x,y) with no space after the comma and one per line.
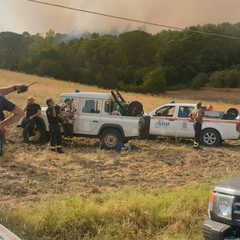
(221,205)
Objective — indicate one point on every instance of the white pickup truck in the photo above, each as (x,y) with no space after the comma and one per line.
(106,116)
(172,120)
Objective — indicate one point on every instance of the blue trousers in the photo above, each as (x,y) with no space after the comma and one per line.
(197,128)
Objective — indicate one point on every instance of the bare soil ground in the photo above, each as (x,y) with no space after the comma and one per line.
(28,172)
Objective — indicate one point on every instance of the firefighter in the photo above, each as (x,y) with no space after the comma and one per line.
(33,111)
(54,120)
(67,115)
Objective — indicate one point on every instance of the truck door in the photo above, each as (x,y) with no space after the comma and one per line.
(183,124)
(89,117)
(162,121)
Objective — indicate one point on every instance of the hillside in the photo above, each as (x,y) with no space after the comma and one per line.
(28,172)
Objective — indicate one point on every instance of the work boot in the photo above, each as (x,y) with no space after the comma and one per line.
(195,144)
(53,149)
(59,150)
(31,139)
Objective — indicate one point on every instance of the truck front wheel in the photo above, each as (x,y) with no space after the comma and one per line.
(110,138)
(210,138)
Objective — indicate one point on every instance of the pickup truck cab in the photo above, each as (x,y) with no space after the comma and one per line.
(172,120)
(224,212)
(97,115)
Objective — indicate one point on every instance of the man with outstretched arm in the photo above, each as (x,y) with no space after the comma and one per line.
(6,105)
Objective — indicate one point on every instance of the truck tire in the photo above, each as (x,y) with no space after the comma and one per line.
(210,137)
(110,138)
(39,134)
(233,111)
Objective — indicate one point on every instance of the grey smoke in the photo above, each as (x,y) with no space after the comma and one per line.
(23,15)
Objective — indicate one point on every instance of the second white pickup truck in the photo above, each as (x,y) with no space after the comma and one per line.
(172,120)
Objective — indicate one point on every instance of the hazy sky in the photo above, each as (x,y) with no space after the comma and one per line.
(23,15)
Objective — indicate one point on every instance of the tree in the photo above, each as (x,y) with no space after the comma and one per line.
(189,52)
(41,49)
(104,58)
(12,47)
(140,49)
(155,81)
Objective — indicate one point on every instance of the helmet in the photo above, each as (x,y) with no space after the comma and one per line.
(31,98)
(67,100)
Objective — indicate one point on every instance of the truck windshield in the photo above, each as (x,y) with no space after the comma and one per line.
(166,111)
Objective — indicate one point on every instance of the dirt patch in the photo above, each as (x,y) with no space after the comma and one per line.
(27,172)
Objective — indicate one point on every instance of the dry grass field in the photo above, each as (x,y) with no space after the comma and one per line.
(28,172)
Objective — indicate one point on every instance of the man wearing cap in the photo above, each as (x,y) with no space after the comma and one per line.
(33,111)
(67,114)
(197,116)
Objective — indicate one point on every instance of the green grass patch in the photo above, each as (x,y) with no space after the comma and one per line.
(126,214)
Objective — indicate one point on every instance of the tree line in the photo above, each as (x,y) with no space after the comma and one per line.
(134,61)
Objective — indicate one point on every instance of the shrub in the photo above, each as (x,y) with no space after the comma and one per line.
(217,79)
(232,78)
(221,79)
(155,81)
(199,81)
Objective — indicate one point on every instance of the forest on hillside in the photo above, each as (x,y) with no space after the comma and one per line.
(134,61)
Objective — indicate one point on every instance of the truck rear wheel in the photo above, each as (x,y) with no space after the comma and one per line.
(210,138)
(110,138)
